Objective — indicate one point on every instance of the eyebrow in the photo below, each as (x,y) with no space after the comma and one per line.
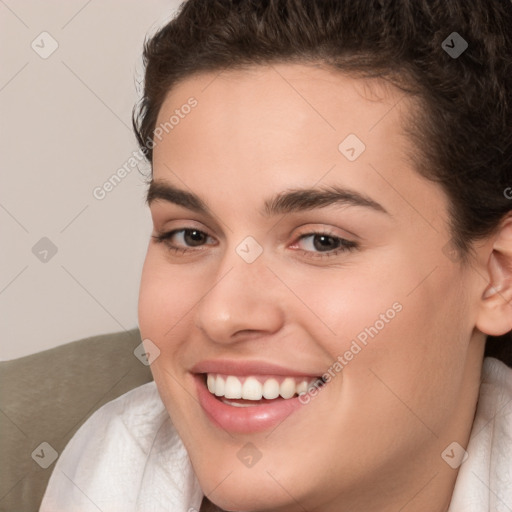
(289,201)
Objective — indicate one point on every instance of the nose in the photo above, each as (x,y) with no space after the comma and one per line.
(243,302)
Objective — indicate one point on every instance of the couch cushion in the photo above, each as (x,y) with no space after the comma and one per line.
(45,398)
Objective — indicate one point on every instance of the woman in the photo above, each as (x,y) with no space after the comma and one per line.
(332,249)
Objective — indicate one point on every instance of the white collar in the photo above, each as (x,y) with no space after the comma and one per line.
(484,481)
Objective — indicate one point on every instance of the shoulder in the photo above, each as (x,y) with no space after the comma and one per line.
(484,481)
(494,410)
(132,418)
(106,461)
(497,376)
(140,412)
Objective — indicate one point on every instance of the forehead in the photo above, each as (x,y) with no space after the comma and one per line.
(262,128)
(294,99)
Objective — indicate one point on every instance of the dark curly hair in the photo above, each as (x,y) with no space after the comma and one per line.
(463,133)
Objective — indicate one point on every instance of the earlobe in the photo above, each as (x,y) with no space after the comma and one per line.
(495,316)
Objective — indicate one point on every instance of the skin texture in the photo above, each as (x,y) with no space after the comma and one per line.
(372,439)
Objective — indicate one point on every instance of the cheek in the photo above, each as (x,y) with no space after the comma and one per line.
(166,297)
(346,304)
(392,326)
(418,359)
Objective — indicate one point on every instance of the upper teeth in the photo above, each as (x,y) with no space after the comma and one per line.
(253,388)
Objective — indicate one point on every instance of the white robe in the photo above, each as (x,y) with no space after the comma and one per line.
(127,457)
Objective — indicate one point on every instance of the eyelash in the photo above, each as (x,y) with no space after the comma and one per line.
(345,245)
(165,238)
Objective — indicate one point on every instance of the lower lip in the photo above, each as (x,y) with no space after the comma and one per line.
(244,420)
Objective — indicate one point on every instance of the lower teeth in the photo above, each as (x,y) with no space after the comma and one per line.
(237,404)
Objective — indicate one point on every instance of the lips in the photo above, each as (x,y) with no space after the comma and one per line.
(245,397)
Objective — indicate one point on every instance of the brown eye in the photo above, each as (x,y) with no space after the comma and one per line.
(183,240)
(194,237)
(316,243)
(326,243)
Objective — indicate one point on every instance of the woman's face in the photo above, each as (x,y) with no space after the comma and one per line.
(297,242)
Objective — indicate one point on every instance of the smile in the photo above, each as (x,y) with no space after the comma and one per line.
(249,398)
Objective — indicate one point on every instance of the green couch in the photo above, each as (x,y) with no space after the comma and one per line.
(45,397)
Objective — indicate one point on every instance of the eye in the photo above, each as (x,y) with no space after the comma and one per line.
(183,240)
(323,245)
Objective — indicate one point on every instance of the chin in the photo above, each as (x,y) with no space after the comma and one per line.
(243,491)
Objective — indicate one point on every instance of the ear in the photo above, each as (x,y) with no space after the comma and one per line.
(495,314)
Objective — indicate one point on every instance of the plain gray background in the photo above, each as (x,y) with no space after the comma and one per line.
(65,130)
